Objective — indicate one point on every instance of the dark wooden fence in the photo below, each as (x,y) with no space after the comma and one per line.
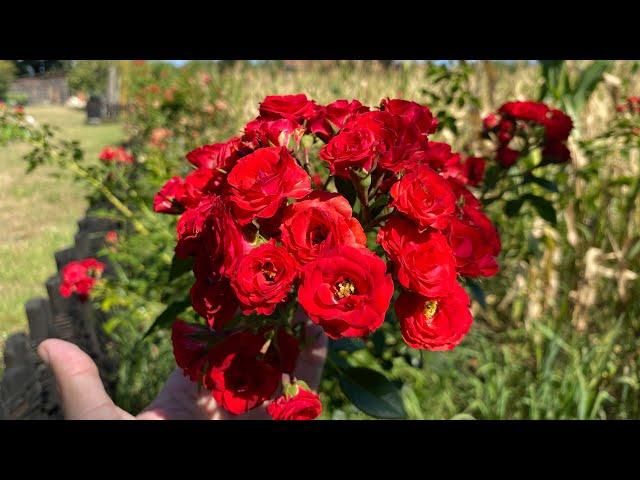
(27,388)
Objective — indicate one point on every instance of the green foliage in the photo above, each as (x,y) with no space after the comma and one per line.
(7,73)
(89,77)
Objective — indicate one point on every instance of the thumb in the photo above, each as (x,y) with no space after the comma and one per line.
(78,380)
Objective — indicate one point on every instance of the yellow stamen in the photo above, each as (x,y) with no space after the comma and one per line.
(430,308)
(345,288)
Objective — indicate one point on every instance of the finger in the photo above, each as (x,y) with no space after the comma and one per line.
(78,381)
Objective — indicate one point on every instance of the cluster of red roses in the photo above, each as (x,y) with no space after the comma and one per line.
(518,124)
(79,277)
(257,233)
(116,154)
(632,105)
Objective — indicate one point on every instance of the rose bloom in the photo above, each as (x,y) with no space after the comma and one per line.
(159,135)
(333,117)
(190,347)
(200,226)
(490,121)
(469,172)
(294,107)
(320,221)
(506,156)
(216,156)
(434,324)
(346,291)
(261,182)
(557,126)
(117,154)
(425,197)
(242,375)
(214,300)
(351,149)
(411,113)
(424,261)
(475,243)
(267,133)
(528,111)
(264,278)
(111,237)
(556,152)
(79,277)
(200,183)
(304,405)
(166,200)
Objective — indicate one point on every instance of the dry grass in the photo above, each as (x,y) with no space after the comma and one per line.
(39,213)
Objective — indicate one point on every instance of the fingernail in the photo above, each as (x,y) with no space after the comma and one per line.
(44,355)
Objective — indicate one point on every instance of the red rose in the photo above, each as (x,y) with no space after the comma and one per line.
(490,121)
(304,405)
(424,262)
(351,149)
(333,117)
(556,152)
(261,182)
(242,375)
(215,301)
(411,113)
(434,324)
(166,200)
(464,197)
(424,196)
(528,111)
(294,107)
(267,133)
(190,347)
(473,170)
(505,131)
(200,182)
(322,220)
(200,223)
(346,291)
(506,156)
(217,155)
(79,277)
(557,126)
(264,278)
(475,243)
(118,154)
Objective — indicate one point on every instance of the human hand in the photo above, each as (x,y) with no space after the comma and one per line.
(84,397)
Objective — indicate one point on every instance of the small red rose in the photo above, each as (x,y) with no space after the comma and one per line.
(434,324)
(261,182)
(423,261)
(263,278)
(304,405)
(346,291)
(245,369)
(425,197)
(190,347)
(320,221)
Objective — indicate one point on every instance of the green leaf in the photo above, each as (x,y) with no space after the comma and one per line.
(179,267)
(372,393)
(544,208)
(168,316)
(347,345)
(512,207)
(346,189)
(543,182)
(477,292)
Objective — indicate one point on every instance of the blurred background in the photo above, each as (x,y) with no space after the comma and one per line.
(556,332)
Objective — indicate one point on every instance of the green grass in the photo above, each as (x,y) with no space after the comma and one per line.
(39,213)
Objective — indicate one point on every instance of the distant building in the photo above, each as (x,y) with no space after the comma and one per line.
(49,90)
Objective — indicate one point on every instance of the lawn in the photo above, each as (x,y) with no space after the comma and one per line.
(39,213)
